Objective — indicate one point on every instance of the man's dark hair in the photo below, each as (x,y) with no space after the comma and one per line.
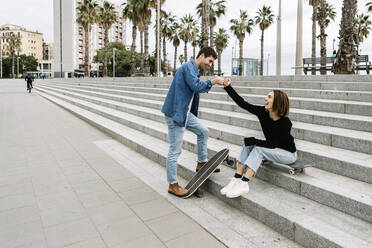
(208,52)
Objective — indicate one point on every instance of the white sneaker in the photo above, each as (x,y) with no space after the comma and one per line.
(224,190)
(239,188)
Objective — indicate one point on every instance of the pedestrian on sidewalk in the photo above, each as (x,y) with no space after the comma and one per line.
(278,147)
(181,110)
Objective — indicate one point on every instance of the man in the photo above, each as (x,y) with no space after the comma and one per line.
(181,110)
(29,78)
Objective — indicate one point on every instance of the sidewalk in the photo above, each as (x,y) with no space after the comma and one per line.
(59,189)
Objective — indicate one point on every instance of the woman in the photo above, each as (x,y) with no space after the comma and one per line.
(278,147)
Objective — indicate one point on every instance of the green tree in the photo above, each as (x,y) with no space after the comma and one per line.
(240,27)
(187,31)
(314,4)
(369,5)
(130,11)
(27,63)
(166,29)
(363,28)
(326,14)
(345,62)
(264,19)
(14,45)
(176,42)
(221,41)
(87,15)
(107,17)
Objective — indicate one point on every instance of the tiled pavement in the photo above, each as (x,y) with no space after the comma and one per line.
(58,189)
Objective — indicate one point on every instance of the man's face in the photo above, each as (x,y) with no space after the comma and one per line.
(206,62)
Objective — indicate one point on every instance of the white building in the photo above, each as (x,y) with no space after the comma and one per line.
(73,40)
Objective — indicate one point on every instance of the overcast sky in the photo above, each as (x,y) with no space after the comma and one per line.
(38,15)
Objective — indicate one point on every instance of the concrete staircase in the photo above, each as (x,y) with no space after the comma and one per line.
(328,206)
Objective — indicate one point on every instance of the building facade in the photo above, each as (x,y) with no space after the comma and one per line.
(69,37)
(31,42)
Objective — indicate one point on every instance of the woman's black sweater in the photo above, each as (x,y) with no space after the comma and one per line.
(277,133)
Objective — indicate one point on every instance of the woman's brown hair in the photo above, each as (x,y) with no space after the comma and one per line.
(281,103)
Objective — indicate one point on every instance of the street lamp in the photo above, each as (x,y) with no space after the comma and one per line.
(113,61)
(333,47)
(60,32)
(267,66)
(1,60)
(18,64)
(158,38)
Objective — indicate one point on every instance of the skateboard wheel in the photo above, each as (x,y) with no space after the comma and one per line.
(292,172)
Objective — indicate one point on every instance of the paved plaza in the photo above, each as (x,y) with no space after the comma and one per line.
(58,188)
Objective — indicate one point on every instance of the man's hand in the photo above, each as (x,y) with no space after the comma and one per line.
(226,82)
(217,80)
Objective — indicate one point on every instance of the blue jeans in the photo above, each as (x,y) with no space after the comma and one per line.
(252,156)
(175,136)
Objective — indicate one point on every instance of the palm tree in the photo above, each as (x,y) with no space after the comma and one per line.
(130,12)
(176,42)
(13,45)
(239,28)
(205,22)
(345,62)
(264,19)
(369,5)
(362,28)
(315,4)
(216,9)
(326,13)
(182,59)
(87,15)
(107,17)
(187,31)
(166,30)
(144,12)
(221,41)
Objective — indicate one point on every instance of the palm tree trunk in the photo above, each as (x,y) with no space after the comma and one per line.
(175,61)
(345,62)
(323,48)
(133,51)
(105,51)
(262,53)
(240,57)
(13,76)
(205,22)
(86,59)
(165,71)
(211,28)
(185,51)
(194,52)
(313,43)
(142,54)
(219,61)
(147,66)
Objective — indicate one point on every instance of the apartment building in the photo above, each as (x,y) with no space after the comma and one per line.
(69,37)
(31,42)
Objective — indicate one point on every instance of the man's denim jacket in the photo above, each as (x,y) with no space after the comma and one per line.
(185,83)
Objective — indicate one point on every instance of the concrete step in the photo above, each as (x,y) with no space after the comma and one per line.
(337,106)
(229,225)
(364,96)
(300,219)
(354,122)
(338,137)
(361,202)
(349,84)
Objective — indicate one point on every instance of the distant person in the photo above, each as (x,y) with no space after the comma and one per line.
(278,147)
(29,79)
(334,54)
(181,110)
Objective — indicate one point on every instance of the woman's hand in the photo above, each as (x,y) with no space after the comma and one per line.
(226,82)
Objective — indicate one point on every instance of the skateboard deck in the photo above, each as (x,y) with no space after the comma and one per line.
(206,171)
(295,168)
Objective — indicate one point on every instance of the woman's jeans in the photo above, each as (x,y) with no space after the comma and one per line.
(175,135)
(252,156)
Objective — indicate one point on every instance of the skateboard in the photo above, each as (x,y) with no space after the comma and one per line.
(295,168)
(206,171)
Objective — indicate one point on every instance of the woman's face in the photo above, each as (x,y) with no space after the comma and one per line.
(269,100)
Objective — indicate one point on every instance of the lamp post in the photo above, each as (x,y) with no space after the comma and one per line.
(60,33)
(267,66)
(113,61)
(279,41)
(299,38)
(333,46)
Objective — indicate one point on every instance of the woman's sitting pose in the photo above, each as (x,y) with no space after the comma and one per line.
(278,147)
